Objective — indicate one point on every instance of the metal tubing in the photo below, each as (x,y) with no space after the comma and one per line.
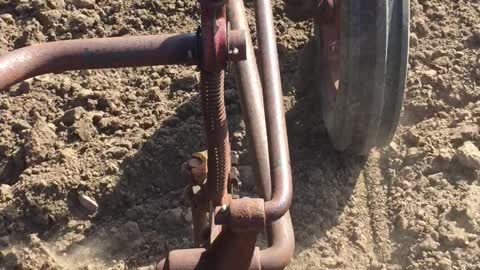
(225,253)
(275,116)
(59,56)
(233,251)
(251,99)
(279,254)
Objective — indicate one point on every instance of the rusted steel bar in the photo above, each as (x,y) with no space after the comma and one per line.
(234,251)
(134,51)
(251,99)
(230,251)
(226,253)
(275,116)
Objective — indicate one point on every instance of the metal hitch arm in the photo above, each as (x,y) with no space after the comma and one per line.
(117,52)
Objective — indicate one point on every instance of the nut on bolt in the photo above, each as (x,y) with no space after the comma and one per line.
(195,169)
(237,45)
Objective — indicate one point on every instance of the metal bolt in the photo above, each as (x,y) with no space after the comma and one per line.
(333,47)
(234,51)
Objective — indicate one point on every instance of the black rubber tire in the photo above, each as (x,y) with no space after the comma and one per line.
(373,47)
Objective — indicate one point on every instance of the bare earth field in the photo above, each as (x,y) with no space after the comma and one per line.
(119,137)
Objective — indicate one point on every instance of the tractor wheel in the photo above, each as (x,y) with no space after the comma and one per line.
(361,54)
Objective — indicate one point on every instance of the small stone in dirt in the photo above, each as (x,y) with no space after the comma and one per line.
(82,3)
(412,154)
(5,104)
(444,264)
(455,238)
(110,123)
(188,82)
(84,128)
(445,154)
(124,143)
(5,193)
(39,143)
(20,125)
(8,18)
(428,76)
(428,244)
(443,61)
(96,116)
(463,114)
(443,159)
(469,155)
(117,152)
(111,168)
(87,202)
(435,178)
(394,147)
(131,97)
(154,94)
(72,115)
(58,4)
(67,154)
(84,93)
(163,82)
(464,133)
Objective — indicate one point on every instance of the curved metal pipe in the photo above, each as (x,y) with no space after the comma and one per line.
(251,97)
(59,56)
(275,115)
(226,255)
(279,254)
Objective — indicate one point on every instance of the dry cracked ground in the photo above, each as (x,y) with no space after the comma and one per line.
(118,137)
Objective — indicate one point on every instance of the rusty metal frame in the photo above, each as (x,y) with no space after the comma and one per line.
(117,52)
(235,223)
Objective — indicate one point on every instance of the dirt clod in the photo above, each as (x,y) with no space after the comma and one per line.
(40,142)
(469,155)
(5,193)
(82,3)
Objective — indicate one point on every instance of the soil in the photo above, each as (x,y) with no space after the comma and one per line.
(90,160)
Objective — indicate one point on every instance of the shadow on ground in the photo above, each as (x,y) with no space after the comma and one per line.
(324,179)
(146,213)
